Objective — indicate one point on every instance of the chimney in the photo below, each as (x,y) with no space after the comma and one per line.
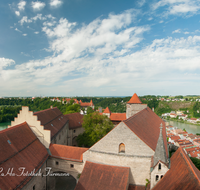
(100,109)
(153,109)
(51,107)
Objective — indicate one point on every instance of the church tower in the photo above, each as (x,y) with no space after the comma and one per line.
(134,105)
(160,162)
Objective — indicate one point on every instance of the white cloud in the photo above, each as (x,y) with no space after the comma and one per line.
(176,7)
(55,3)
(4,62)
(36,32)
(176,31)
(141,3)
(103,55)
(18,30)
(38,5)
(17,13)
(24,34)
(24,20)
(150,18)
(21,5)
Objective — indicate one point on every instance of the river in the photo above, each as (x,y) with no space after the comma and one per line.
(4,125)
(188,127)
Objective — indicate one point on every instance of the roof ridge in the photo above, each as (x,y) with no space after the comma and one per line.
(45,110)
(10,128)
(136,114)
(189,163)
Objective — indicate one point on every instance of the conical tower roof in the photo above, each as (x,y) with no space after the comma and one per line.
(134,100)
(160,152)
(107,110)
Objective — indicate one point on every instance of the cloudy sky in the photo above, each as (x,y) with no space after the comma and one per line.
(99,47)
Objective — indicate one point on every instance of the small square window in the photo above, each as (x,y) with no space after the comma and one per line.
(71,165)
(74,131)
(57,163)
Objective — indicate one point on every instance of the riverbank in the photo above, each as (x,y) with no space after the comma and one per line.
(4,125)
(190,128)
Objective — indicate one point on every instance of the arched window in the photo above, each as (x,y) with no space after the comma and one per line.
(161,177)
(122,148)
(159,166)
(157,177)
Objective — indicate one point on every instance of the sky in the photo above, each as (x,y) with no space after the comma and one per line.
(99,48)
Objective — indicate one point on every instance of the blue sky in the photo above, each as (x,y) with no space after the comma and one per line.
(99,48)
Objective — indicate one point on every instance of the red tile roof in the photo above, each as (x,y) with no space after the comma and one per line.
(19,147)
(103,177)
(146,125)
(136,187)
(175,138)
(118,116)
(182,174)
(52,119)
(67,152)
(134,100)
(75,120)
(86,104)
(107,110)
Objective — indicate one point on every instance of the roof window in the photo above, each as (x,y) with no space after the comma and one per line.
(9,141)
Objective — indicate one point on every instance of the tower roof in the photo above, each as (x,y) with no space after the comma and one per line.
(134,100)
(160,152)
(107,110)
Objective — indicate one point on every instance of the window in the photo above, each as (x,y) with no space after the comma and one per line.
(74,131)
(157,177)
(57,163)
(34,187)
(161,177)
(122,148)
(71,165)
(159,166)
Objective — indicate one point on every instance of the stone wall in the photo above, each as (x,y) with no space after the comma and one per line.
(38,181)
(137,154)
(57,165)
(132,109)
(158,172)
(73,133)
(61,137)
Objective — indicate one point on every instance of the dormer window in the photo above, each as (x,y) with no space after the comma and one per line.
(122,148)
(159,166)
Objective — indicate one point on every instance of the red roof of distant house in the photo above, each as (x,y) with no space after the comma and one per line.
(194,154)
(107,110)
(67,152)
(118,116)
(174,138)
(182,174)
(75,120)
(52,119)
(134,100)
(20,147)
(146,125)
(103,177)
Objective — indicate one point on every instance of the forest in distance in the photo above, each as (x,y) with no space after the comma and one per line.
(10,107)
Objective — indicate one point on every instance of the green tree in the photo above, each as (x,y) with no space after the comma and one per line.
(196,162)
(96,126)
(89,110)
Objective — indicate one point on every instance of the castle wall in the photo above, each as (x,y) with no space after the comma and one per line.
(137,154)
(73,133)
(132,109)
(38,181)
